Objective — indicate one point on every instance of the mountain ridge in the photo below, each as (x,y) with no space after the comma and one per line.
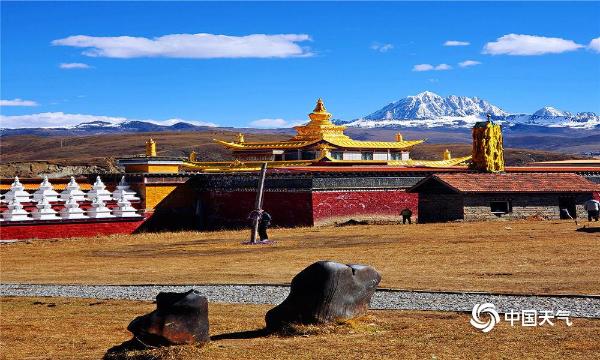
(428,109)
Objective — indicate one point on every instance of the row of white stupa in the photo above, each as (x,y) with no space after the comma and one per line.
(17,192)
(71,210)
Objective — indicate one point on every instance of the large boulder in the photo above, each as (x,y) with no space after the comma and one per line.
(179,318)
(325,292)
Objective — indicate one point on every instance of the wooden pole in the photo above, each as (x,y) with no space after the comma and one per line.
(258,203)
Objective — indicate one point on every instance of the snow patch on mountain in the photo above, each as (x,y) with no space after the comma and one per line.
(429,110)
(428,105)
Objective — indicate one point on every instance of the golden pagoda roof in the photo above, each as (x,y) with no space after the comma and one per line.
(339,142)
(319,129)
(235,166)
(266,145)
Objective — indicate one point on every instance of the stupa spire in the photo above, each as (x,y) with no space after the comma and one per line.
(320,114)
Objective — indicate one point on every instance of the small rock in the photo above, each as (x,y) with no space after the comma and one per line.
(325,292)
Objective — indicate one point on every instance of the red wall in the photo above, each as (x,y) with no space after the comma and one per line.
(68,228)
(231,209)
(335,206)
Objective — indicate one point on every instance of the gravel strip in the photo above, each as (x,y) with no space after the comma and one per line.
(579,306)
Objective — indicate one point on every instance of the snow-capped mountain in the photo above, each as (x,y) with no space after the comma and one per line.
(430,110)
(428,105)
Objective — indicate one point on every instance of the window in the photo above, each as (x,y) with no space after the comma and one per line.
(337,155)
(500,207)
(366,155)
(396,156)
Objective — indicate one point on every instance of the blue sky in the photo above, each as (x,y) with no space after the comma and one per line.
(278,58)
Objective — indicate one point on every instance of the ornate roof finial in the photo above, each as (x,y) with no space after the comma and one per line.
(320,107)
(320,114)
(447,155)
(240,138)
(489,117)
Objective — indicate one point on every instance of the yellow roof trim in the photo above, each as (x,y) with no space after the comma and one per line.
(357,144)
(430,163)
(266,145)
(336,141)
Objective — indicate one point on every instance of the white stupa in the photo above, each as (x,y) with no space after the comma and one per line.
(125,209)
(44,210)
(72,190)
(99,191)
(45,191)
(17,192)
(15,211)
(123,190)
(72,210)
(99,209)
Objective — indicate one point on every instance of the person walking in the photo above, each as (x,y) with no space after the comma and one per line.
(592,207)
(263,225)
(406,216)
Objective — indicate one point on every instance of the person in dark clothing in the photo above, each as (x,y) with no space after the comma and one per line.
(406,216)
(263,225)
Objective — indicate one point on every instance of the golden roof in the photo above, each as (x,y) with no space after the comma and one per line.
(320,129)
(431,163)
(236,165)
(343,143)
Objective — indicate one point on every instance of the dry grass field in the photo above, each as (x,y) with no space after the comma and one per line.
(58,328)
(542,257)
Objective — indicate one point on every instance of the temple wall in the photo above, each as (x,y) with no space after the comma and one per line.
(541,206)
(440,207)
(230,209)
(50,229)
(342,205)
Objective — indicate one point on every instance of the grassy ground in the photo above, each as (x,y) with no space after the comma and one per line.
(541,257)
(58,328)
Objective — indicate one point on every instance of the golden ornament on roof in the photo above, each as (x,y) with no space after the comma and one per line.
(320,114)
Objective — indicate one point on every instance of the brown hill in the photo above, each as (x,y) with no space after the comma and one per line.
(27,155)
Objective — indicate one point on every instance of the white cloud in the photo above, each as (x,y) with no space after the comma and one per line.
(18,102)
(74,66)
(423,67)
(595,45)
(60,119)
(468,63)
(516,44)
(382,47)
(456,43)
(196,46)
(429,67)
(270,123)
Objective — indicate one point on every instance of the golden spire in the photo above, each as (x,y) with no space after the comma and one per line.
(399,137)
(240,138)
(150,147)
(193,156)
(447,155)
(320,114)
(320,107)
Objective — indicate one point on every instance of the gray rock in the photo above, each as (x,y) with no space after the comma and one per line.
(325,292)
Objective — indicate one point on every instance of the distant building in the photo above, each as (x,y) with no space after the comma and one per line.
(320,141)
(489,196)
